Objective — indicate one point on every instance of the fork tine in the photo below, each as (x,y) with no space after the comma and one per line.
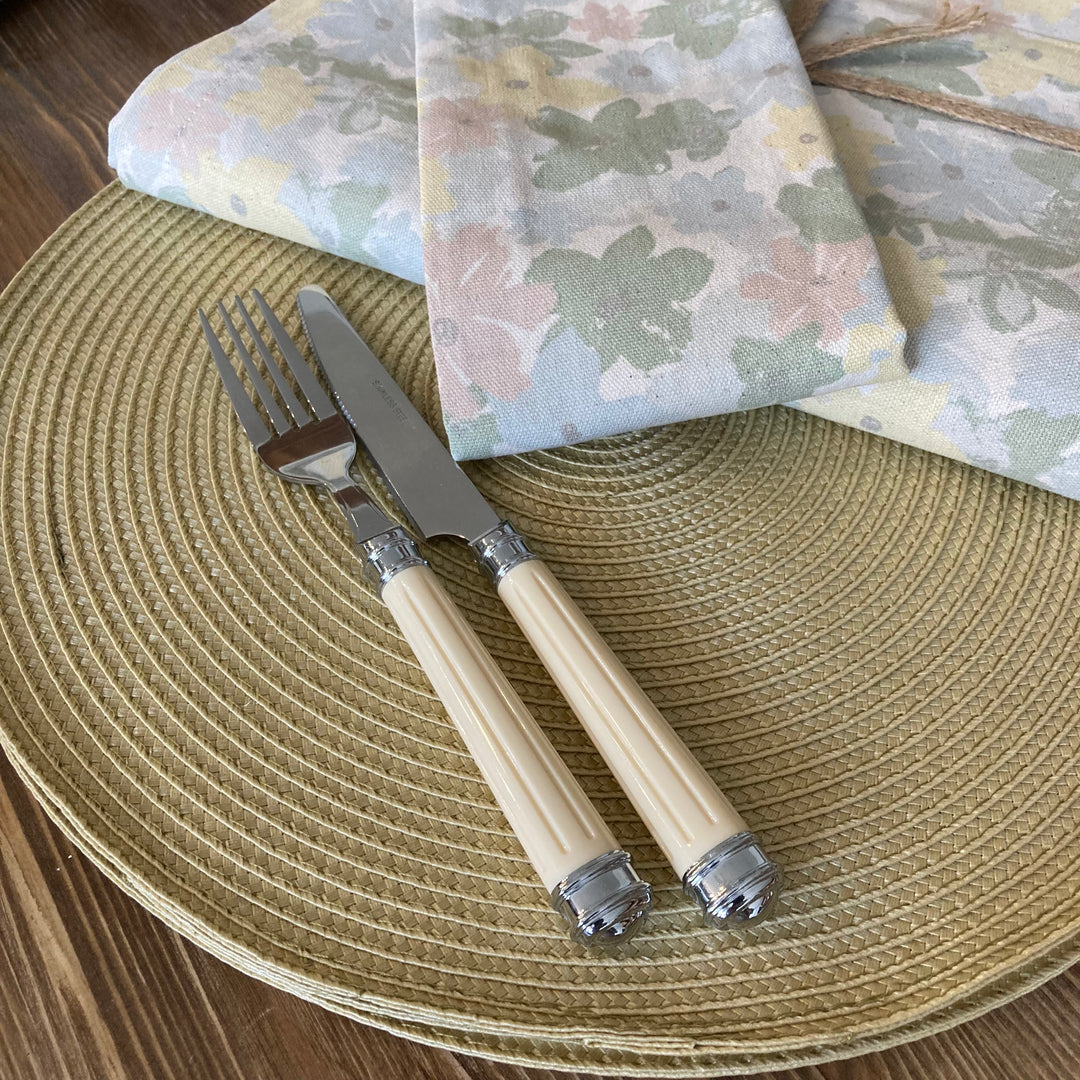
(303,374)
(292,403)
(241,403)
(277,417)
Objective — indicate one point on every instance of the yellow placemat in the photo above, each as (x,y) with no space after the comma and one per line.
(871,648)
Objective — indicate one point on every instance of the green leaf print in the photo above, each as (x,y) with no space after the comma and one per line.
(628,302)
(1055,168)
(926,65)
(377,93)
(468,29)
(536,26)
(823,211)
(542,30)
(1026,249)
(301,53)
(1014,276)
(705,27)
(524,30)
(473,438)
(620,139)
(1036,442)
(1006,306)
(784,370)
(884,215)
(1010,289)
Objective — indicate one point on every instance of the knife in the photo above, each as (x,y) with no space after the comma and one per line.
(721,864)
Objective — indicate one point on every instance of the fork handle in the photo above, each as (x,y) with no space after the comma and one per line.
(590,879)
(705,839)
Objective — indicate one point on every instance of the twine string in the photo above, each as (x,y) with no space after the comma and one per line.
(804,15)
(966,19)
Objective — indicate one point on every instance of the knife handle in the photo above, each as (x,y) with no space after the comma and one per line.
(591,881)
(706,841)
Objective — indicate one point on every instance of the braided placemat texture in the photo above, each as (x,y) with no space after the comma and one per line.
(871,648)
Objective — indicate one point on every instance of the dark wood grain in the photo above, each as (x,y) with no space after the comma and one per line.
(91,986)
(66,67)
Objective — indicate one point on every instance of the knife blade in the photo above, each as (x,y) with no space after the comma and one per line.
(432,489)
(721,863)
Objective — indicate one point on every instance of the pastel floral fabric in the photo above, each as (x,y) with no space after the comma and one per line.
(556,259)
(619,211)
(979,232)
(624,214)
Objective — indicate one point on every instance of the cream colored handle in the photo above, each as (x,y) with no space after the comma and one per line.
(684,810)
(558,827)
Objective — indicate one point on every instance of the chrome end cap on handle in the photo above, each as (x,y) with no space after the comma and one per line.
(734,882)
(604,901)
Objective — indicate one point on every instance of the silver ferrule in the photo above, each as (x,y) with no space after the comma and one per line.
(500,549)
(734,882)
(388,554)
(604,901)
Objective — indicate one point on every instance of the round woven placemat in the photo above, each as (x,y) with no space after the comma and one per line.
(871,648)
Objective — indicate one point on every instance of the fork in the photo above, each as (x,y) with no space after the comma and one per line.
(590,880)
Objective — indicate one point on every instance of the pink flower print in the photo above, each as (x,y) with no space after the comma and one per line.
(475,304)
(456,126)
(185,127)
(815,286)
(458,401)
(598,22)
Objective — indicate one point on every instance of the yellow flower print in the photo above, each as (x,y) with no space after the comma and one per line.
(1053,11)
(801,134)
(902,410)
(435,198)
(1015,63)
(178,72)
(519,82)
(170,77)
(291,16)
(868,338)
(248,193)
(855,149)
(913,282)
(284,95)
(206,56)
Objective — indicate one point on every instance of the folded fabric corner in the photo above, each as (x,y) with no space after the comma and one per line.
(980,241)
(300,122)
(633,214)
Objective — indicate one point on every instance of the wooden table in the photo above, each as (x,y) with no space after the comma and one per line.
(91,986)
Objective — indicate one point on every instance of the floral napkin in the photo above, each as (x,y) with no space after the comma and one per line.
(979,233)
(631,214)
(976,229)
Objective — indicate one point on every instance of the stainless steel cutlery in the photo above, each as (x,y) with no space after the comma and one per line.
(721,864)
(590,879)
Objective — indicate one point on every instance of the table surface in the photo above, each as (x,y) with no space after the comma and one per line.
(91,986)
